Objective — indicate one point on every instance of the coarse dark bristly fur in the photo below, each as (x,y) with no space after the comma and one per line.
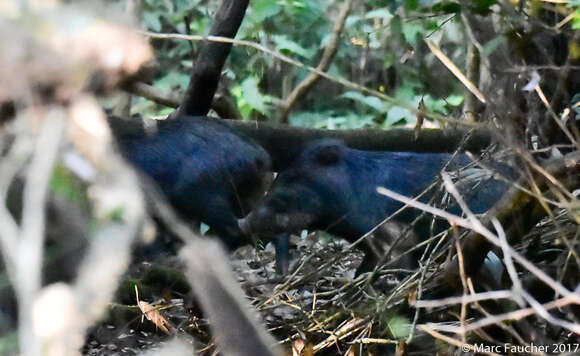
(333,187)
(207,171)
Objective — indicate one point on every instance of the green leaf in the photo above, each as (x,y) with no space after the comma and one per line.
(379,13)
(406,92)
(263,9)
(311,119)
(307,10)
(284,44)
(411,4)
(371,101)
(65,185)
(349,121)
(330,120)
(447,7)
(410,31)
(149,108)
(454,100)
(576,18)
(482,7)
(253,96)
(435,105)
(152,21)
(396,114)
(351,20)
(399,327)
(172,80)
(303,119)
(358,122)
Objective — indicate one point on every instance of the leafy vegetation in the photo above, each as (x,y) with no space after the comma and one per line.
(381,47)
(509,68)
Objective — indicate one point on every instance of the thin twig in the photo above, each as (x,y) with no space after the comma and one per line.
(480,229)
(456,71)
(325,61)
(464,299)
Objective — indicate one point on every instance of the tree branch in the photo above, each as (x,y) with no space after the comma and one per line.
(340,81)
(327,56)
(204,80)
(283,142)
(149,92)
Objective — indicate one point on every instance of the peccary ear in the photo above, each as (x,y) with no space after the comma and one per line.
(328,155)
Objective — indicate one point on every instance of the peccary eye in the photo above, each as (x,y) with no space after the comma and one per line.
(328,155)
(260,164)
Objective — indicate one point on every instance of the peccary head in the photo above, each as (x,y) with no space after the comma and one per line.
(311,191)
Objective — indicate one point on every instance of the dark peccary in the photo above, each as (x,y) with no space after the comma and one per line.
(207,171)
(334,188)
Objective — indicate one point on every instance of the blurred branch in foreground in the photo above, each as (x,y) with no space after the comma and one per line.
(51,66)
